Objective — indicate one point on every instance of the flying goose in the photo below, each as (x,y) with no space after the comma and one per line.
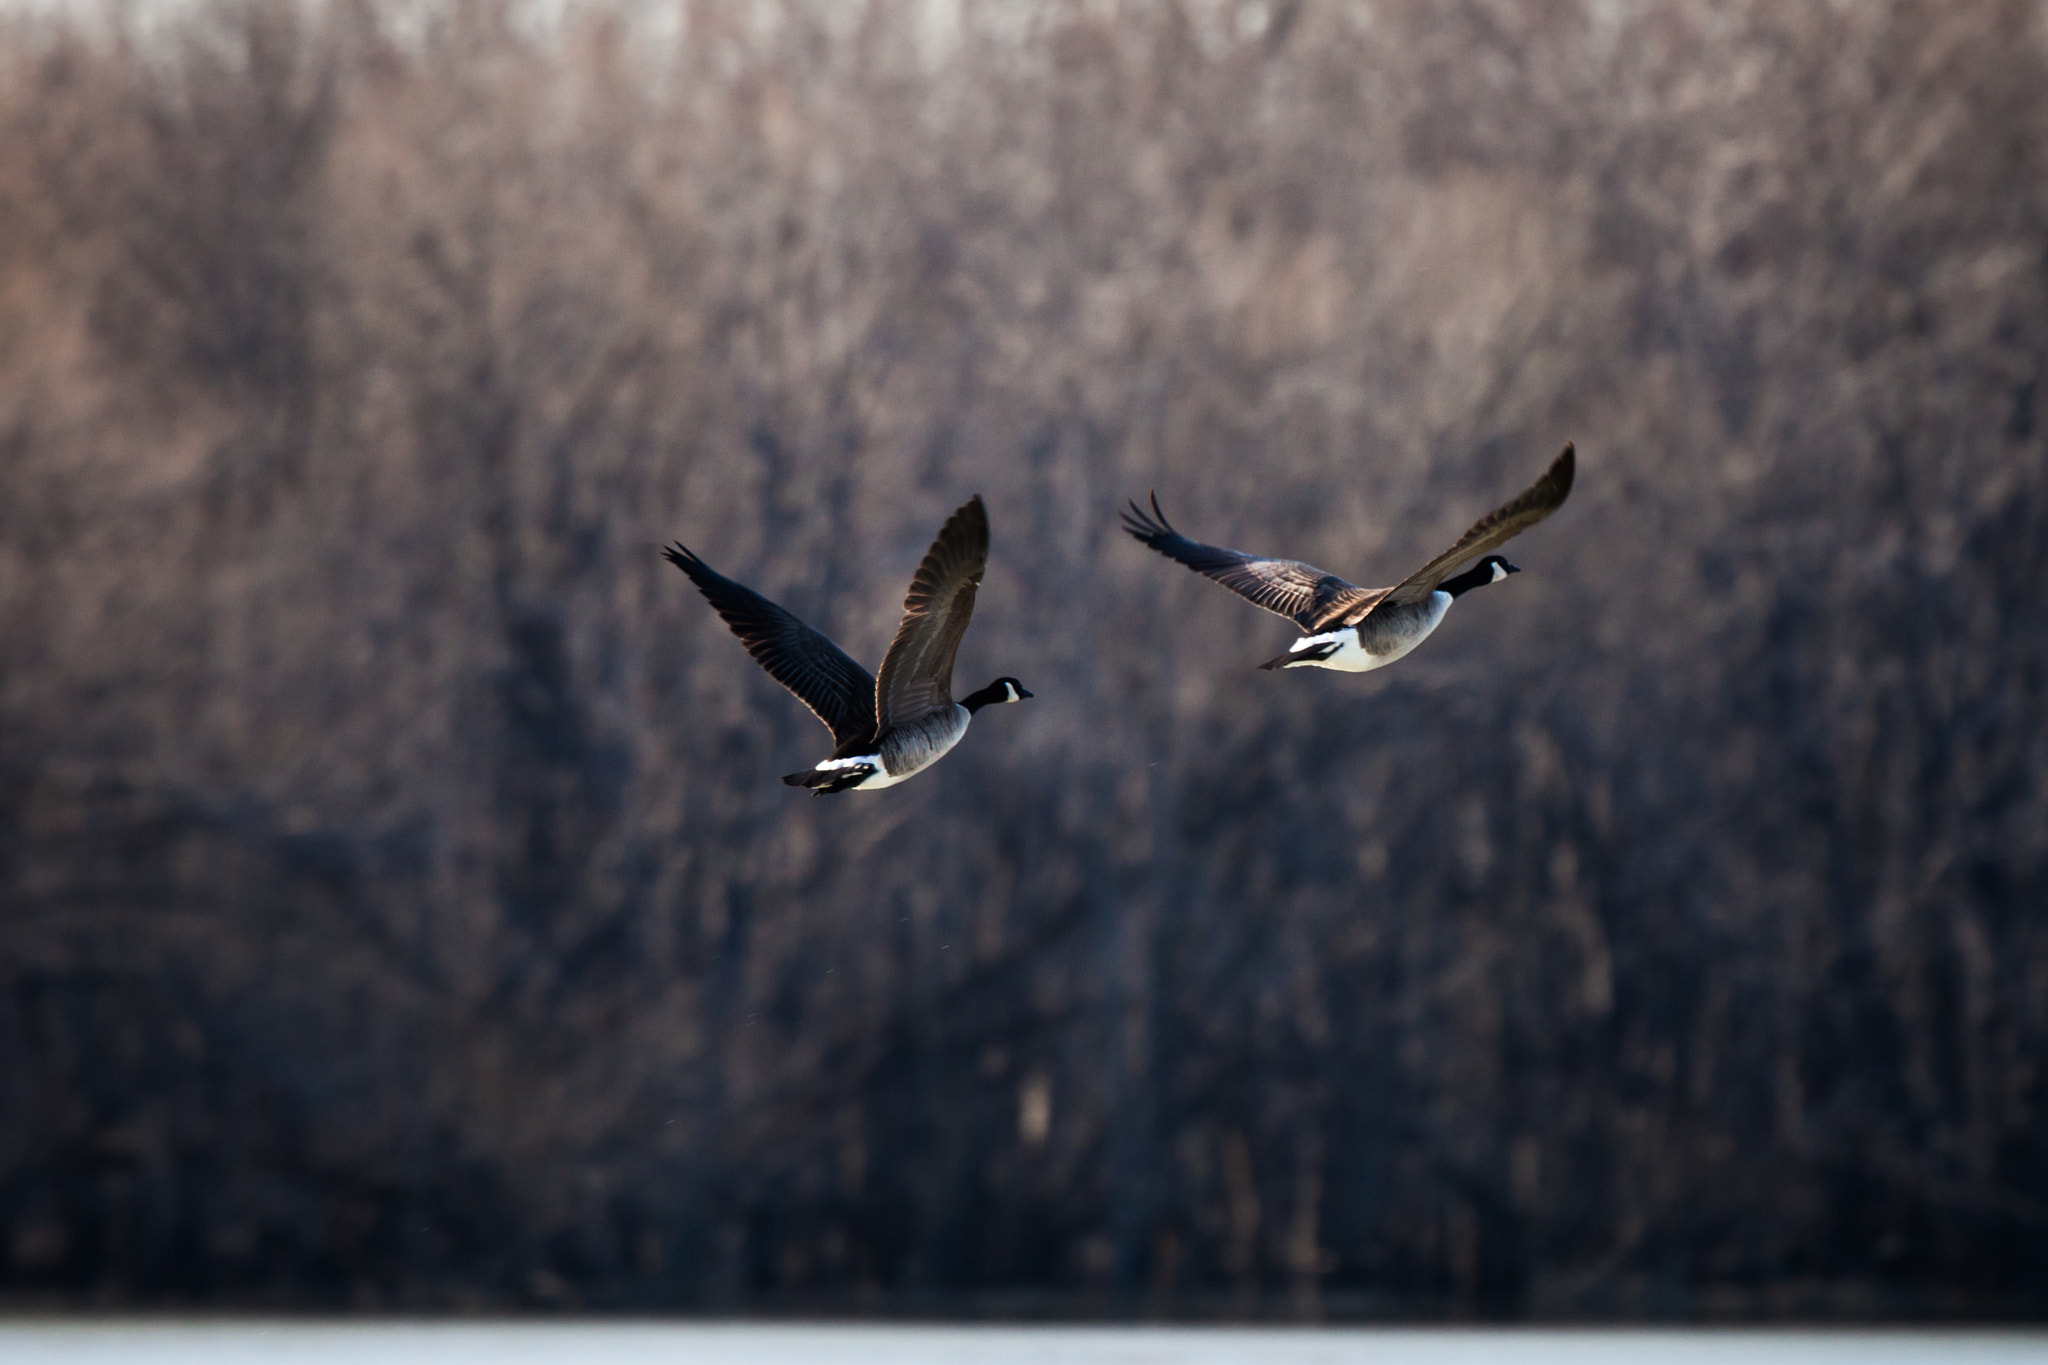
(889,728)
(1349,628)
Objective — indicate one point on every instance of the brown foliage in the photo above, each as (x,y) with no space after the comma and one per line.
(400,903)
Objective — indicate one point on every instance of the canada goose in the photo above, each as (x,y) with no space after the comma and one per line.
(885,729)
(1349,628)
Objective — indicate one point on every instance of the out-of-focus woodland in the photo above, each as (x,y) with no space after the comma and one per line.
(398,904)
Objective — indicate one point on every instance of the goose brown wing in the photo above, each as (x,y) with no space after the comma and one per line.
(838,690)
(917,672)
(1496,528)
(1300,592)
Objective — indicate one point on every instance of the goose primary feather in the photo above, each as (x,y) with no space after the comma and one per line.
(888,728)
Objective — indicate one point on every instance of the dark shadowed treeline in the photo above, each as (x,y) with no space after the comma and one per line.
(398,906)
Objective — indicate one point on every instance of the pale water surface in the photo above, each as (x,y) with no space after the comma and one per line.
(76,1342)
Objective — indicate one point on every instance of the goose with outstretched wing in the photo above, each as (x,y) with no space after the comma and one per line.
(1354,629)
(883,730)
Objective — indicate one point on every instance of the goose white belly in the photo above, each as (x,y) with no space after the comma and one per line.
(1394,640)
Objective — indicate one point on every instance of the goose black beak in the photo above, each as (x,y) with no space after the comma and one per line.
(1022,694)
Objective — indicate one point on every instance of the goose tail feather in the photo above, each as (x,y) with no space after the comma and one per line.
(825,781)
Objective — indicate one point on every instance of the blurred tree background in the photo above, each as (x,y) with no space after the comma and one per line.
(398,906)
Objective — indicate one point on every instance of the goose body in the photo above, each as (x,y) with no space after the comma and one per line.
(909,749)
(1359,649)
(888,727)
(1346,627)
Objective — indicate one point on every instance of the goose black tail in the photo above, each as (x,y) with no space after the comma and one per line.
(827,781)
(1296,658)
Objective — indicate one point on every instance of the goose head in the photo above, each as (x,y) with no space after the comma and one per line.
(995,694)
(1491,569)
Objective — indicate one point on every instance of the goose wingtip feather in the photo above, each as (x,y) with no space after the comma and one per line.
(1147,528)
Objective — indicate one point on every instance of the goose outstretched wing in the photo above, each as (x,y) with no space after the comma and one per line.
(1300,592)
(838,690)
(1496,528)
(917,673)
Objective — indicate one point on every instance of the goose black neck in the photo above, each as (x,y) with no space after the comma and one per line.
(1476,577)
(987,696)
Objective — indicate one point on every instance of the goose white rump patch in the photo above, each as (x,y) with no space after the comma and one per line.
(877,779)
